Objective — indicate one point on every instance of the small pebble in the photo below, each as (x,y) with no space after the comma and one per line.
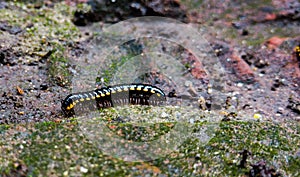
(209,90)
(83,170)
(240,84)
(164,115)
(192,121)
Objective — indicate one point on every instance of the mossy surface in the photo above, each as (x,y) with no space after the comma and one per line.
(47,34)
(62,148)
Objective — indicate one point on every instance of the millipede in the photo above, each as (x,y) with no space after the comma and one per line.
(297,51)
(111,96)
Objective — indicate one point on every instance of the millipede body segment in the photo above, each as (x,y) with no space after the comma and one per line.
(297,50)
(105,97)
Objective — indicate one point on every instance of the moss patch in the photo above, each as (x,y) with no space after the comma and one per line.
(47,34)
(62,149)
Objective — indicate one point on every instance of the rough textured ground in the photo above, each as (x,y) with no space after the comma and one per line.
(255,41)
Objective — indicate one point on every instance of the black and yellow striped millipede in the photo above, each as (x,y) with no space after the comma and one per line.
(297,51)
(105,97)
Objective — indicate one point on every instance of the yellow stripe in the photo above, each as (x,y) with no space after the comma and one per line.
(81,99)
(87,99)
(71,106)
(107,93)
(102,94)
(98,96)
(145,89)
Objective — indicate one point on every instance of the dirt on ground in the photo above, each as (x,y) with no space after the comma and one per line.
(44,43)
(255,43)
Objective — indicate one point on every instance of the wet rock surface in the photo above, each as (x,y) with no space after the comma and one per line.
(270,67)
(114,11)
(255,42)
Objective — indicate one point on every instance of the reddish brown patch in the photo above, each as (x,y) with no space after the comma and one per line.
(196,67)
(195,17)
(271,16)
(275,41)
(242,69)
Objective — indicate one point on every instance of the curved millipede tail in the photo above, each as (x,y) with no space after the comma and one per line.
(105,97)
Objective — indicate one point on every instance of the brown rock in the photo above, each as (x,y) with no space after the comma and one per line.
(275,41)
(271,16)
(242,70)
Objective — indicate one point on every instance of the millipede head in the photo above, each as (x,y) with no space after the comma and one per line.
(67,106)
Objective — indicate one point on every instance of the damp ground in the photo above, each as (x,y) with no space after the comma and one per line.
(43,44)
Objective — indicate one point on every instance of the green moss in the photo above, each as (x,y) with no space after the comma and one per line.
(46,30)
(108,73)
(256,41)
(4,127)
(255,5)
(221,156)
(50,149)
(58,68)
(54,148)
(191,4)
